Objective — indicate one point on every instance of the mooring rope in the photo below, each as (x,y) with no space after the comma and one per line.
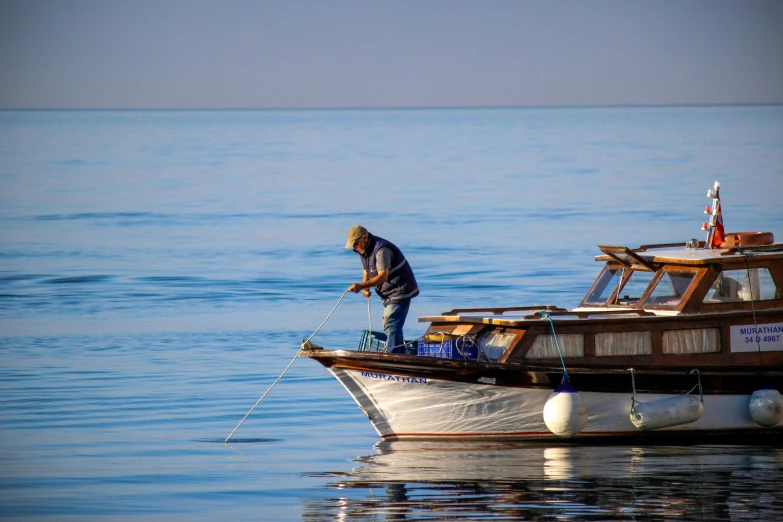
(746,255)
(369,315)
(557,344)
(304,343)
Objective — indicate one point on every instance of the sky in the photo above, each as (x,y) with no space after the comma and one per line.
(373,53)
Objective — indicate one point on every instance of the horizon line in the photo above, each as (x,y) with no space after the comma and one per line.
(394,108)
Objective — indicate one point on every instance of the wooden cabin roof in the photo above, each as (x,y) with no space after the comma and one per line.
(669,254)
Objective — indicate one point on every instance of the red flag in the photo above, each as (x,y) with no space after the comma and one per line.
(719,236)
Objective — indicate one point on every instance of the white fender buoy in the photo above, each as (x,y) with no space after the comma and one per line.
(665,413)
(766,407)
(565,412)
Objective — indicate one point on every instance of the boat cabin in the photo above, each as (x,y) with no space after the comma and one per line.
(653,306)
(661,279)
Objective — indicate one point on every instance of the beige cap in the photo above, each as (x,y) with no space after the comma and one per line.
(355,233)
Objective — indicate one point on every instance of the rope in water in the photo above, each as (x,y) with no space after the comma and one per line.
(287,367)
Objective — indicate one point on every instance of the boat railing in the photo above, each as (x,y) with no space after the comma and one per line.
(500,311)
(553,311)
(584,314)
(645,248)
(775,247)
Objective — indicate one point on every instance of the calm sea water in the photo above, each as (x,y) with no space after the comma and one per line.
(159,269)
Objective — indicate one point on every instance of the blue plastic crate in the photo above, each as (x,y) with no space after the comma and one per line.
(372,341)
(460,349)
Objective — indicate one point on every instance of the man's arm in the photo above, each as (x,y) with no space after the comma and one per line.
(366,291)
(382,277)
(383,261)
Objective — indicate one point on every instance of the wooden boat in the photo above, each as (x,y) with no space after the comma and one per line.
(670,339)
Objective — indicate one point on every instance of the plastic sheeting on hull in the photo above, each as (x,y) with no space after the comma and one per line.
(407,407)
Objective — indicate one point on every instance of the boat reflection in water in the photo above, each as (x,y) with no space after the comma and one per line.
(472,480)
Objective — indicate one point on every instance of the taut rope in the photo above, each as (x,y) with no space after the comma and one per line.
(304,343)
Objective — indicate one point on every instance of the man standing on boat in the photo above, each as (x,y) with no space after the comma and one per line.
(385,268)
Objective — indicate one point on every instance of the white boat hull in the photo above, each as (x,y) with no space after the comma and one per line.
(401,407)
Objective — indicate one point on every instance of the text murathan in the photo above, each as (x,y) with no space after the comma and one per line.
(761,330)
(384,377)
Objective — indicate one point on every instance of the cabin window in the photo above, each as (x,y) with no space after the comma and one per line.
(623,343)
(494,344)
(607,281)
(734,286)
(670,288)
(572,345)
(697,340)
(634,287)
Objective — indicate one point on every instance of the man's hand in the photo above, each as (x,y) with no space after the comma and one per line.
(356,287)
(367,293)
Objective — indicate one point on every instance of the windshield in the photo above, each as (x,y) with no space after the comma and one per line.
(670,288)
(636,282)
(634,287)
(606,283)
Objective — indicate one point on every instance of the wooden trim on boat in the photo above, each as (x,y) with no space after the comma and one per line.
(512,346)
(689,292)
(620,322)
(468,319)
(631,316)
(694,257)
(613,251)
(706,277)
(592,378)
